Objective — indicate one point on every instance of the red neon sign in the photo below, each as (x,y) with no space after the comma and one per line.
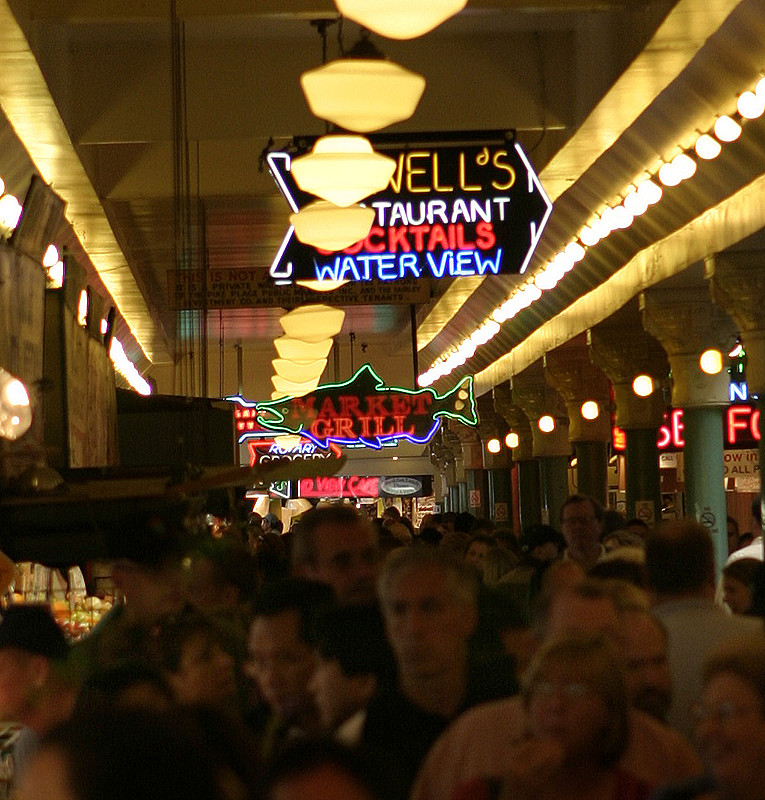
(339,486)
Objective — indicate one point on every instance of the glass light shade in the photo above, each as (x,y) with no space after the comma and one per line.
(329,227)
(590,410)
(493,445)
(298,506)
(707,147)
(643,385)
(322,286)
(288,441)
(751,105)
(512,440)
(343,170)
(362,94)
(711,361)
(299,350)
(399,19)
(293,388)
(314,323)
(275,395)
(262,505)
(299,371)
(727,129)
(546,424)
(15,407)
(10,211)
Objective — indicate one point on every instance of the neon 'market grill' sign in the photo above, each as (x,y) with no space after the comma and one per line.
(363,411)
(472,208)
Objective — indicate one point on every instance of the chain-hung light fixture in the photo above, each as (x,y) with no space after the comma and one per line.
(400,19)
(364,91)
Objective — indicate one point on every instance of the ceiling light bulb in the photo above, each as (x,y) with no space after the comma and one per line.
(607,218)
(575,250)
(10,211)
(707,147)
(727,129)
(2,187)
(50,257)
(590,410)
(622,217)
(600,229)
(546,424)
(711,361)
(588,236)
(635,204)
(650,192)
(399,19)
(751,105)
(56,275)
(643,385)
(548,278)
(669,175)
(330,227)
(82,308)
(15,407)
(343,170)
(493,445)
(685,166)
(512,440)
(362,94)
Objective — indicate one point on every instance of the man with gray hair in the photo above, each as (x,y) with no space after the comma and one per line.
(429,600)
(337,545)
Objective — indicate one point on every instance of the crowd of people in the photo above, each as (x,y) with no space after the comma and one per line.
(366,659)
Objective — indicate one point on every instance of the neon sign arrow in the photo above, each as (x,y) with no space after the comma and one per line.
(364,411)
(450,210)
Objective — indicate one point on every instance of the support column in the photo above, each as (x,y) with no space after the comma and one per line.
(476,479)
(686,322)
(737,284)
(623,351)
(537,398)
(497,465)
(526,479)
(572,374)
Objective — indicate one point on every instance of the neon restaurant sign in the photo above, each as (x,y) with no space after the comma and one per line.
(474,207)
(363,411)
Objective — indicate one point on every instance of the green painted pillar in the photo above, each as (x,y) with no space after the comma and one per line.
(462,496)
(529,493)
(454,498)
(642,480)
(704,487)
(501,496)
(592,469)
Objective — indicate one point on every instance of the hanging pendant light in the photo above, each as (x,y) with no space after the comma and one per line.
(328,227)
(312,323)
(322,286)
(400,19)
(293,388)
(294,349)
(364,92)
(343,170)
(299,370)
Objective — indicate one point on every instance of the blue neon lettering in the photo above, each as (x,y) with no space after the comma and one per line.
(487,264)
(439,269)
(464,259)
(349,266)
(365,259)
(408,261)
(326,271)
(386,267)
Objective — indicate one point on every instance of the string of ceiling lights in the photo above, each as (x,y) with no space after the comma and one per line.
(645,191)
(360,92)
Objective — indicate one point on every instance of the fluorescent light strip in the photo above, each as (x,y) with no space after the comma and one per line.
(637,197)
